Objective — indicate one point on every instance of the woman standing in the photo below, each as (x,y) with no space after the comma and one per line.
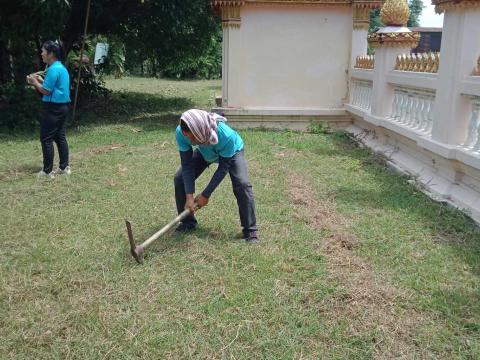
(215,141)
(55,89)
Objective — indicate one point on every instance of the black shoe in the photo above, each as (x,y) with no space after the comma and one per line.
(184,228)
(252,238)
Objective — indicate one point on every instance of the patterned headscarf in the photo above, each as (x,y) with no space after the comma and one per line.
(203,125)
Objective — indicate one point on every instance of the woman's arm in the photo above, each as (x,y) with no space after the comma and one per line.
(222,170)
(38,85)
(188,172)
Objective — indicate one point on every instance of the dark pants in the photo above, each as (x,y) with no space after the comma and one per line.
(52,128)
(242,190)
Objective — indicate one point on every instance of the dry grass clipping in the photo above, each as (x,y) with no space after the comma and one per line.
(368,303)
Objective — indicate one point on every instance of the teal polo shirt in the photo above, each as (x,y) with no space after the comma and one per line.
(229,143)
(57,81)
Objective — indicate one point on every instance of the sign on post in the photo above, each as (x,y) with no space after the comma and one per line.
(101,52)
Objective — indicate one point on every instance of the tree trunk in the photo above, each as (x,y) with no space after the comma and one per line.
(3,79)
(39,52)
(76,21)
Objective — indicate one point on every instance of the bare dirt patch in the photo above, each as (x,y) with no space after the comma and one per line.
(367,303)
(104,149)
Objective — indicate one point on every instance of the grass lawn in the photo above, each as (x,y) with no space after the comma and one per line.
(354,261)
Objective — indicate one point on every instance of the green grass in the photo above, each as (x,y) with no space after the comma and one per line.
(70,290)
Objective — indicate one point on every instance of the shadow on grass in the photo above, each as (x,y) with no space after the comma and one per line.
(144,111)
(172,242)
(379,190)
(444,224)
(392,192)
(20,170)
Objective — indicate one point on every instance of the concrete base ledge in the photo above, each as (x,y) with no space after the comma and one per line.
(284,118)
(443,179)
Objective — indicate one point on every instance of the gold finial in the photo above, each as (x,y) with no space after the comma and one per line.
(395,13)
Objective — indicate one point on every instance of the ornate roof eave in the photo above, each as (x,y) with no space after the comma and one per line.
(394,39)
(229,10)
(368,4)
(442,5)
(371,4)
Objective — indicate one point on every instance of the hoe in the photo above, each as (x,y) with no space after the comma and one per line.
(138,251)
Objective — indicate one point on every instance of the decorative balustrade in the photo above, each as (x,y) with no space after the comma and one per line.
(414,109)
(423,62)
(472,142)
(365,62)
(361,94)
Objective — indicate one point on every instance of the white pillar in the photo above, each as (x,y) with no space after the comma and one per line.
(225,63)
(231,21)
(359,44)
(382,95)
(361,22)
(460,50)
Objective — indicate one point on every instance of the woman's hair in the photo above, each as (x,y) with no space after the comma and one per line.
(55,47)
(184,126)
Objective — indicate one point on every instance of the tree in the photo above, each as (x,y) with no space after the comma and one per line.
(162,31)
(416,8)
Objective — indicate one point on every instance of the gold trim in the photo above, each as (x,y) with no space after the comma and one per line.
(368,4)
(229,12)
(409,39)
(361,17)
(443,5)
(301,2)
(365,62)
(422,62)
(371,4)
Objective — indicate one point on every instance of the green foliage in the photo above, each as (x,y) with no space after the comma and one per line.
(114,62)
(174,38)
(318,128)
(206,66)
(19,107)
(375,21)
(416,8)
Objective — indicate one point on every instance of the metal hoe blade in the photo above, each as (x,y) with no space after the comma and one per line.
(136,251)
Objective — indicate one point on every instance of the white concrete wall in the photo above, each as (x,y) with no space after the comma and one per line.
(290,57)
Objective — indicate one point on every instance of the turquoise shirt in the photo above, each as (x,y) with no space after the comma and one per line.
(57,81)
(229,143)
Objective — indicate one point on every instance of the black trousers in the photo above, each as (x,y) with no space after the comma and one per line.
(242,189)
(52,129)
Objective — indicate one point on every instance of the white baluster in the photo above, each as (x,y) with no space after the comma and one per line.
(401,106)
(409,110)
(394,112)
(405,101)
(425,109)
(358,93)
(354,92)
(431,110)
(419,112)
(360,100)
(364,95)
(473,140)
(369,105)
(416,110)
